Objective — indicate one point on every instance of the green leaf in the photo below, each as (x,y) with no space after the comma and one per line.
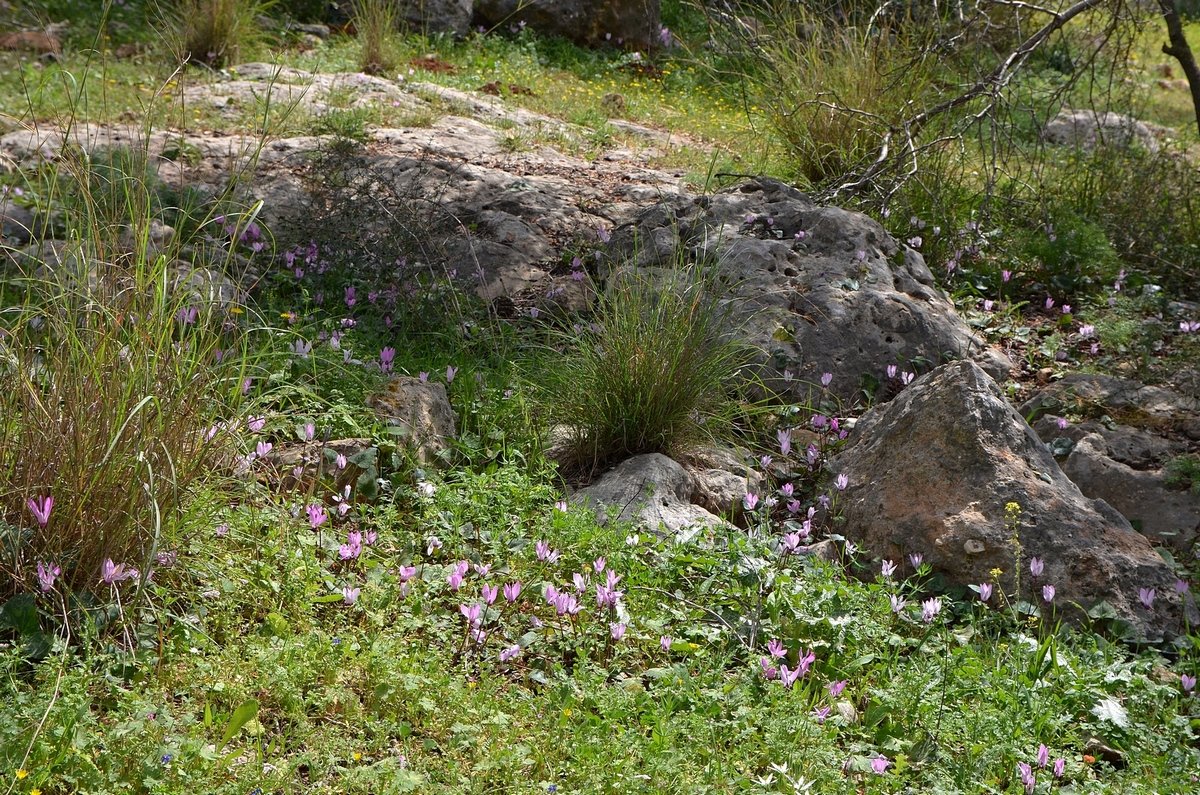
(20,614)
(241,716)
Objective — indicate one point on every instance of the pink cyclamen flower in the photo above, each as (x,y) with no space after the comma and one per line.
(46,575)
(1005,276)
(451,371)
(898,603)
(255,424)
(891,371)
(985,591)
(407,573)
(906,378)
(598,564)
(1188,683)
(509,653)
(471,612)
(1043,756)
(263,449)
(1049,302)
(836,688)
(930,609)
(880,764)
(1146,597)
(665,642)
(776,649)
(1036,567)
(350,595)
(841,482)
(769,671)
(386,357)
(785,441)
(750,501)
(316,515)
(788,676)
(1060,765)
(40,507)
(617,631)
(113,573)
(1048,593)
(887,569)
(826,379)
(821,713)
(916,558)
(489,592)
(511,591)
(545,553)
(353,546)
(310,431)
(1028,779)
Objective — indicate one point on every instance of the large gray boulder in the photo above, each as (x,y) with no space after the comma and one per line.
(626,23)
(823,290)
(1170,517)
(933,471)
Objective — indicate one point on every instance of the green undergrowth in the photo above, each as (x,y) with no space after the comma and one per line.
(246,669)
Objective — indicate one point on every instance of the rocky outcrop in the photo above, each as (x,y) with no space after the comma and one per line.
(823,290)
(934,471)
(619,23)
(1088,129)
(436,16)
(1120,450)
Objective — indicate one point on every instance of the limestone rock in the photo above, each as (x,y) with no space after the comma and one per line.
(1167,516)
(422,410)
(1087,129)
(649,489)
(823,289)
(16,223)
(932,472)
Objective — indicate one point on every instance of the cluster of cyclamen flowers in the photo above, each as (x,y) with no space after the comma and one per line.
(111,574)
(483,616)
(1027,773)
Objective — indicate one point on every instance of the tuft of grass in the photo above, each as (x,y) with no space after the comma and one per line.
(217,32)
(375,21)
(654,371)
(830,93)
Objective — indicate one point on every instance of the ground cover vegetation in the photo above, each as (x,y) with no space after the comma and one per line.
(181,611)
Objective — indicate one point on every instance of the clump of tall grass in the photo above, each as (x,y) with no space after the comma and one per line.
(656,369)
(217,32)
(115,379)
(830,90)
(375,21)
